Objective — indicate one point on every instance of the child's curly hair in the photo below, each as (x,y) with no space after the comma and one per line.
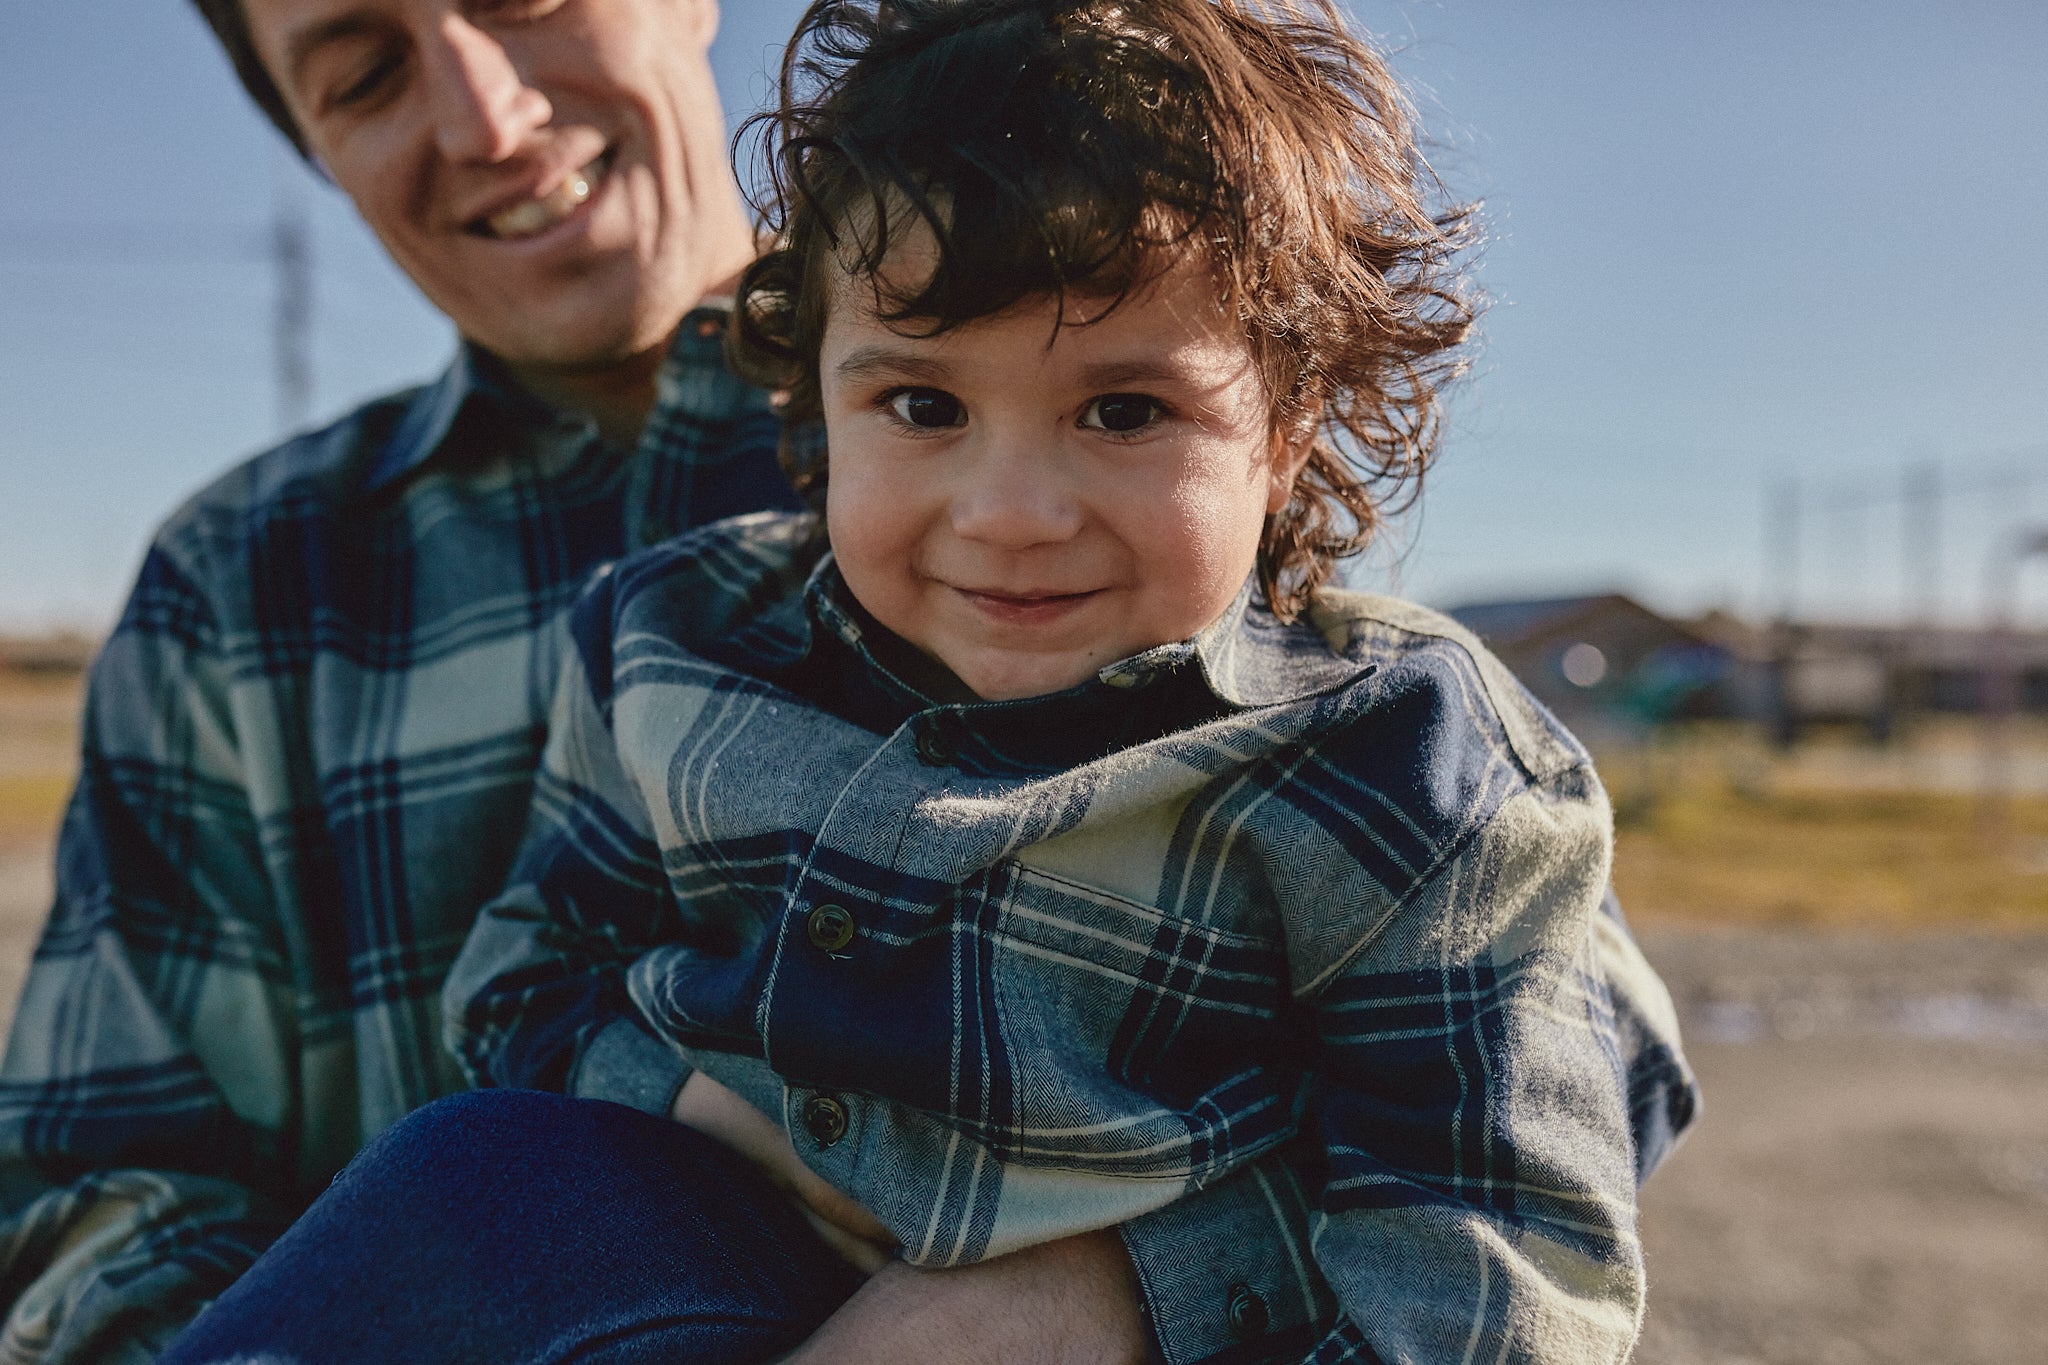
(1083,146)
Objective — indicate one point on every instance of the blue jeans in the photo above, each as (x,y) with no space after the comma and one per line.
(517,1228)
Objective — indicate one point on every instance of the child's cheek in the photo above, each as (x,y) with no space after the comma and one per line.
(872,538)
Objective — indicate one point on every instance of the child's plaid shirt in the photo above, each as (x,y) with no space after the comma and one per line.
(1287,949)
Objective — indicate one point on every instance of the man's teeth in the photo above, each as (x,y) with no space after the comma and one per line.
(537,215)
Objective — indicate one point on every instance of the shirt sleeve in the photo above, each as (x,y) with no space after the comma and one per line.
(1230,1267)
(143,1135)
(537,998)
(1472,1109)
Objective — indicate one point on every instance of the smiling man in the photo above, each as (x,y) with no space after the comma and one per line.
(310,741)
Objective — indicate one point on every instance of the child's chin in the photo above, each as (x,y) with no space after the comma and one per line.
(1006,680)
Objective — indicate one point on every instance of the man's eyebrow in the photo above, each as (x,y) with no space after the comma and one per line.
(301,46)
(883,360)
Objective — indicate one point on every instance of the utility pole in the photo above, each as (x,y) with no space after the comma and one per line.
(1999,695)
(1922,530)
(1919,650)
(1781,535)
(1782,512)
(291,326)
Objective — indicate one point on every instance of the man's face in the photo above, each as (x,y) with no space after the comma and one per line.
(1026,513)
(551,173)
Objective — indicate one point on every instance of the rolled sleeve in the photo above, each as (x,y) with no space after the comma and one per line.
(144,1098)
(1227,1273)
(626,1064)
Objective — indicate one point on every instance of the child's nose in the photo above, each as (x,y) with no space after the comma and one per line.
(1015,497)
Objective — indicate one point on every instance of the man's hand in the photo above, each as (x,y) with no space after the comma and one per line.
(1070,1302)
(846,1227)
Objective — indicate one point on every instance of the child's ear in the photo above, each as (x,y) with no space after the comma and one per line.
(1293,442)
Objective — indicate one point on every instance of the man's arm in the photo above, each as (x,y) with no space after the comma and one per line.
(1070,1302)
(143,1091)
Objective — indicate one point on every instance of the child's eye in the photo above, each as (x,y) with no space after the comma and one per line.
(926,409)
(1121,413)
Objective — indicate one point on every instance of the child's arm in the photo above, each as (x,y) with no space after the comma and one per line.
(537,997)
(1472,1102)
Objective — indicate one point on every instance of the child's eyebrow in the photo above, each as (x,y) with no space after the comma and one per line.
(1145,370)
(882,361)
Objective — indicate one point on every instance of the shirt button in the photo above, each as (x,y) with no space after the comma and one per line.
(934,749)
(829,928)
(825,1120)
(1247,1313)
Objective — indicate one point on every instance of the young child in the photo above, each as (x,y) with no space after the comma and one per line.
(1038,837)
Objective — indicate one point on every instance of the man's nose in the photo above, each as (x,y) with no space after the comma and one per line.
(483,109)
(1015,495)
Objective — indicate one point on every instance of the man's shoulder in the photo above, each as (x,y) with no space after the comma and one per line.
(310,476)
(249,537)
(1424,662)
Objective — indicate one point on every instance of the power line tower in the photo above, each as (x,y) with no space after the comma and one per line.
(291,324)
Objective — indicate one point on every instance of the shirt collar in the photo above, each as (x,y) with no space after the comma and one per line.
(474,379)
(478,381)
(1246,658)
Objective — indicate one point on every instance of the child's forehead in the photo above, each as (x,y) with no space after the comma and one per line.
(1176,297)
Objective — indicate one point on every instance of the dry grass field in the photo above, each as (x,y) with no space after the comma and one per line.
(1864,984)
(38,753)
(1714,828)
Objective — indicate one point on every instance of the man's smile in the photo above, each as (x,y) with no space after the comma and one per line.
(532,214)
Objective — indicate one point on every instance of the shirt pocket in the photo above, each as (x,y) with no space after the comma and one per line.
(1139,1043)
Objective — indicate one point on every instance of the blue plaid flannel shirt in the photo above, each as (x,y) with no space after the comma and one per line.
(1287,949)
(309,751)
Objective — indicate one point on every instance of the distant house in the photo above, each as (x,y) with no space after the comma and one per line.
(1607,662)
(1876,675)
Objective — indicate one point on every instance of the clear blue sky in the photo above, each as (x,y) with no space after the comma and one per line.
(1731,243)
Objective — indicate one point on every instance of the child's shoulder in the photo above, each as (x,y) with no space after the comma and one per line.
(722,566)
(699,586)
(1424,658)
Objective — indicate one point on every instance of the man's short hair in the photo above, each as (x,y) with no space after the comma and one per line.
(231,26)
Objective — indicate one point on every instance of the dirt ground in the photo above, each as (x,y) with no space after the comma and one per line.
(1869,1183)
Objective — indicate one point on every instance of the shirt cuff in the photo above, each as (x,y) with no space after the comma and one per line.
(1227,1273)
(628,1065)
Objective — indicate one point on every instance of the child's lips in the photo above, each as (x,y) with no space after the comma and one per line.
(1029,608)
